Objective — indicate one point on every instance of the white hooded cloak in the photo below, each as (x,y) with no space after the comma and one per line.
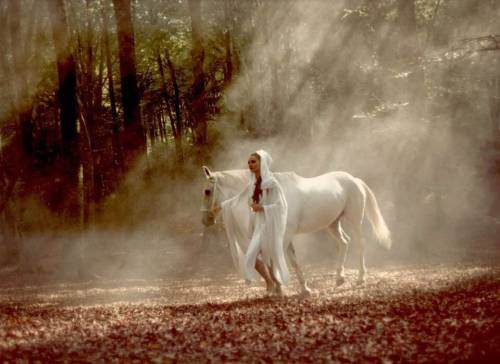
(267,227)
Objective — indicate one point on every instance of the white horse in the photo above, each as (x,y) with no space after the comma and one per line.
(334,201)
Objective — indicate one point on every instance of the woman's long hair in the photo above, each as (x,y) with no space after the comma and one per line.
(257,192)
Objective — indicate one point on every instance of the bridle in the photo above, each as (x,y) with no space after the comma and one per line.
(216,191)
(213,181)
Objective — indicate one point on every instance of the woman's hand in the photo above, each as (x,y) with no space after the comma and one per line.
(256,207)
(215,211)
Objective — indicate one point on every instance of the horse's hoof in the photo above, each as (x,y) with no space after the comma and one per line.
(340,281)
(306,292)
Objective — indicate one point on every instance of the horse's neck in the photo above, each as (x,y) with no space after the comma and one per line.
(233,181)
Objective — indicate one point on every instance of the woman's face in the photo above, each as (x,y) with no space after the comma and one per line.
(254,164)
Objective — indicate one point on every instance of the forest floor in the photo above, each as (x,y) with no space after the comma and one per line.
(414,314)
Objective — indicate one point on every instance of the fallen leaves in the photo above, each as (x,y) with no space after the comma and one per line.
(430,314)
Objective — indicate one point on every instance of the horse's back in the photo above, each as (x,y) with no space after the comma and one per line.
(316,202)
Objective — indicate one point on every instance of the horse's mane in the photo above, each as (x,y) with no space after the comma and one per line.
(233,175)
(238,178)
(285,176)
(234,179)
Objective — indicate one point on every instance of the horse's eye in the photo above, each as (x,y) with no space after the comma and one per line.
(207,192)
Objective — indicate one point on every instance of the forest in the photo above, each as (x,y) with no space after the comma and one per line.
(101,97)
(110,108)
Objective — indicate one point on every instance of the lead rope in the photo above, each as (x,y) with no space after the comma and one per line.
(212,205)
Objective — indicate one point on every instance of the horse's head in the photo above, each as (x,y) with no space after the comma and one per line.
(209,198)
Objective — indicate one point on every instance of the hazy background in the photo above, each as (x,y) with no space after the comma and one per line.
(402,94)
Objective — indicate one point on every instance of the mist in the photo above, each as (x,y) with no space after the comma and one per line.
(111,110)
(322,86)
(424,159)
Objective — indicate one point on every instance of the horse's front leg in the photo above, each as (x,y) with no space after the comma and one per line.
(292,257)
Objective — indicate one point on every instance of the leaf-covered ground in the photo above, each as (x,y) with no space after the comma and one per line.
(414,314)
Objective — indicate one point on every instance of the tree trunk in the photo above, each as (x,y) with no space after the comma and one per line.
(134,138)
(177,102)
(175,123)
(166,96)
(88,61)
(65,194)
(99,84)
(198,107)
(16,127)
(86,81)
(117,151)
(20,84)
(68,106)
(5,67)
(228,43)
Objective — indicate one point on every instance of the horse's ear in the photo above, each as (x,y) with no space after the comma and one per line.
(207,171)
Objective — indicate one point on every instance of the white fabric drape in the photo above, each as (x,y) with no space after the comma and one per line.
(266,228)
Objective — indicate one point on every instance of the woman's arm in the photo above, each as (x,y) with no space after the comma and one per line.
(276,198)
(230,202)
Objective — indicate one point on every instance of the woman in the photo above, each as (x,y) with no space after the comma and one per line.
(268,213)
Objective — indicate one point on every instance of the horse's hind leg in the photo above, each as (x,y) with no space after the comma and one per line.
(292,258)
(341,241)
(353,229)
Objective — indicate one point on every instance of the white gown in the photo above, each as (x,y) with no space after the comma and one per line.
(265,231)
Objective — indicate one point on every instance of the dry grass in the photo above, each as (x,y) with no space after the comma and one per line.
(404,314)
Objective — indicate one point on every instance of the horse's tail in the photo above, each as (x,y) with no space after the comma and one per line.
(375,217)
